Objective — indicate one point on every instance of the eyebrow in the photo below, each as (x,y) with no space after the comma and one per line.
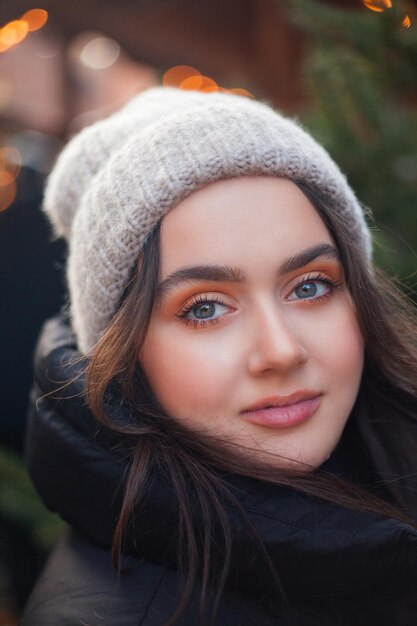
(224,273)
(322,251)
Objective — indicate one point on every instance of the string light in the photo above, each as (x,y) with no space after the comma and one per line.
(100,53)
(190,78)
(199,83)
(36,18)
(239,91)
(381,5)
(406,23)
(178,74)
(16,31)
(377,5)
(10,163)
(10,166)
(7,195)
(13,33)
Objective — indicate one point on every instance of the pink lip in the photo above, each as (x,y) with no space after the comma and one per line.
(283,411)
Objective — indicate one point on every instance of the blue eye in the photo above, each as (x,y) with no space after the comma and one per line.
(203,310)
(206,310)
(312,289)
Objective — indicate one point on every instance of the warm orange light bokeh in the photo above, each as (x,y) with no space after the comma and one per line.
(14,32)
(209,85)
(10,165)
(7,195)
(214,88)
(200,83)
(189,78)
(191,82)
(241,92)
(177,74)
(5,178)
(377,5)
(36,18)
(406,23)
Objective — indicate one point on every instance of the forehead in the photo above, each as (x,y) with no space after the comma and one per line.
(241,222)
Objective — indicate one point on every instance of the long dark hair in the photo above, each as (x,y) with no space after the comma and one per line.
(387,425)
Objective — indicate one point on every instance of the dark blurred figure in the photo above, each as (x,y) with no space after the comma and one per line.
(31,288)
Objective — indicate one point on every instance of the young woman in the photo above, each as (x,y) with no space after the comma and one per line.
(249,448)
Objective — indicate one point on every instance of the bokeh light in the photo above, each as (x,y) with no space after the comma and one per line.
(189,78)
(213,89)
(7,195)
(377,5)
(6,92)
(200,83)
(100,53)
(239,91)
(178,74)
(10,166)
(35,18)
(13,33)
(406,23)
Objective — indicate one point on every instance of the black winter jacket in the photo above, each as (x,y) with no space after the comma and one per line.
(337,566)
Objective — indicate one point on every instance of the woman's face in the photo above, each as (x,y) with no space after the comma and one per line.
(253,337)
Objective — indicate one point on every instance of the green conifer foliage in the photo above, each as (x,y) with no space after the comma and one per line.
(20,504)
(361,79)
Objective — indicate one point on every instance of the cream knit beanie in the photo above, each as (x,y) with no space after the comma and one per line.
(116,180)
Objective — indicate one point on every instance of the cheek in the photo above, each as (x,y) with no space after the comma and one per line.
(344,348)
(188,375)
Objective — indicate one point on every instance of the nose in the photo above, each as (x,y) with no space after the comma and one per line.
(276,345)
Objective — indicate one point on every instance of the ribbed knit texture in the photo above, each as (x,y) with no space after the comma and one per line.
(116,180)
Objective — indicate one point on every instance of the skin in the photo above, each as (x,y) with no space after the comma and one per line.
(269,334)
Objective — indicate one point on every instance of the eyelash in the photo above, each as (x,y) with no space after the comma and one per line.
(322,278)
(182,315)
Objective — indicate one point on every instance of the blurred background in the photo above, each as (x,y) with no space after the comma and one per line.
(347,69)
